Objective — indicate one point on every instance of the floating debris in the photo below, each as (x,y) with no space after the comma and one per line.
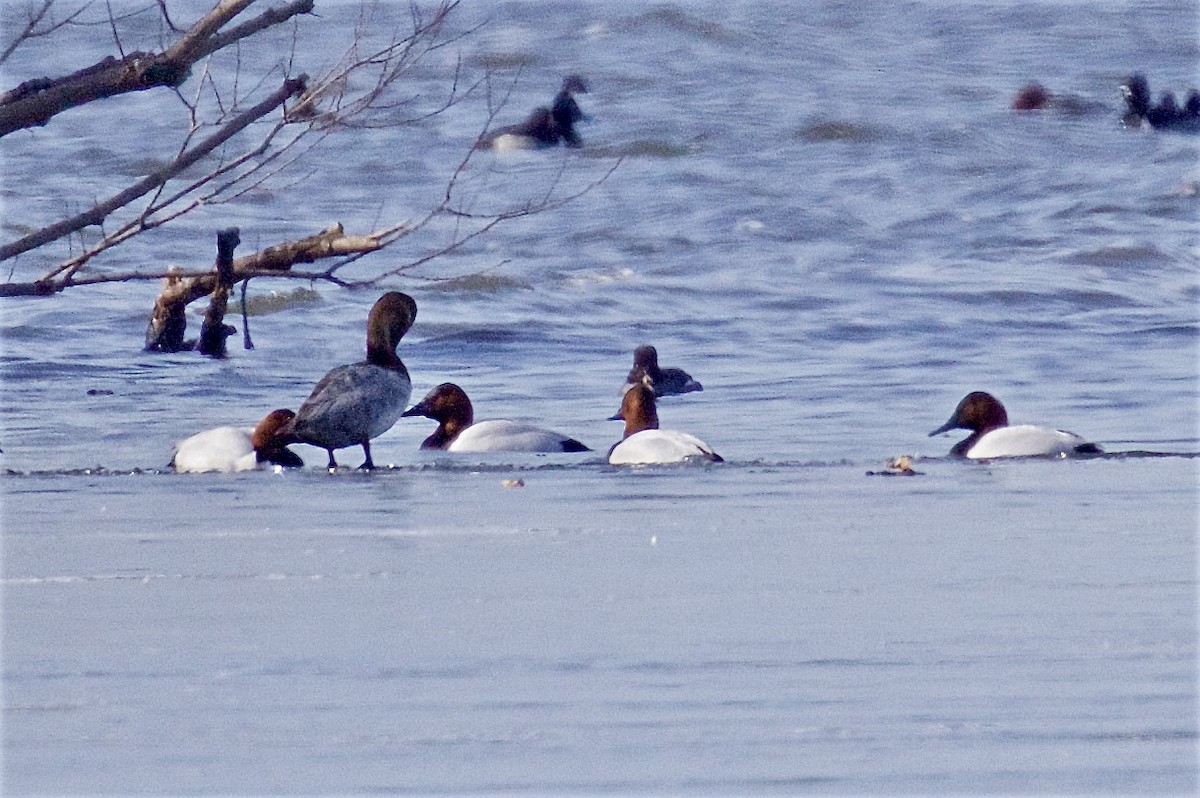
(512,483)
(897,467)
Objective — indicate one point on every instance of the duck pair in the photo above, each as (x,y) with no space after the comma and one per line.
(643,442)
(349,406)
(1139,112)
(544,127)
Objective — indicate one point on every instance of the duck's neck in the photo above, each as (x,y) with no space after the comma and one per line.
(961,448)
(438,440)
(384,356)
(448,429)
(641,415)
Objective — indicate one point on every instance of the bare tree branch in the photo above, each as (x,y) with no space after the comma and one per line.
(186,49)
(361,89)
(100,211)
(270,18)
(36,102)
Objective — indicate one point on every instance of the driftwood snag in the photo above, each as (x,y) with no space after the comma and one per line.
(168,322)
(214,330)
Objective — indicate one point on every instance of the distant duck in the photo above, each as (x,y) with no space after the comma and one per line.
(991,436)
(666,381)
(1031,97)
(1036,97)
(566,111)
(354,403)
(545,126)
(457,430)
(644,443)
(238,448)
(1166,114)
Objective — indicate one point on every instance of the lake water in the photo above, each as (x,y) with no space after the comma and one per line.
(828,215)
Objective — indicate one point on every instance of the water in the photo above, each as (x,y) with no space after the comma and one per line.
(832,221)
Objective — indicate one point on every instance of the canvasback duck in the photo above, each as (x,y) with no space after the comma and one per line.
(458,431)
(238,448)
(354,403)
(991,436)
(666,381)
(643,442)
(566,112)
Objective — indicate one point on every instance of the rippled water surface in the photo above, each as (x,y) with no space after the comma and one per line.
(833,221)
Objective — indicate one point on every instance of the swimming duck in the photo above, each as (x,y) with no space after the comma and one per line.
(1031,97)
(1036,97)
(354,403)
(666,381)
(238,448)
(643,442)
(457,431)
(566,112)
(544,126)
(1165,114)
(991,436)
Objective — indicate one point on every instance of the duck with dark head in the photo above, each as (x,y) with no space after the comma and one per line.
(1166,114)
(665,381)
(544,127)
(643,442)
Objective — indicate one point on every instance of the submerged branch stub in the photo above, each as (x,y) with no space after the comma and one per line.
(168,320)
(214,330)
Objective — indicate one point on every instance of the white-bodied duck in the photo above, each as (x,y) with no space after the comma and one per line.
(458,431)
(991,436)
(238,448)
(644,443)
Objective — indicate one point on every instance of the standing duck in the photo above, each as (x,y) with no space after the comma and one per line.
(354,403)
(458,431)
(643,442)
(991,436)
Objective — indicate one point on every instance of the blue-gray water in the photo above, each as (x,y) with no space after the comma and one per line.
(828,215)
